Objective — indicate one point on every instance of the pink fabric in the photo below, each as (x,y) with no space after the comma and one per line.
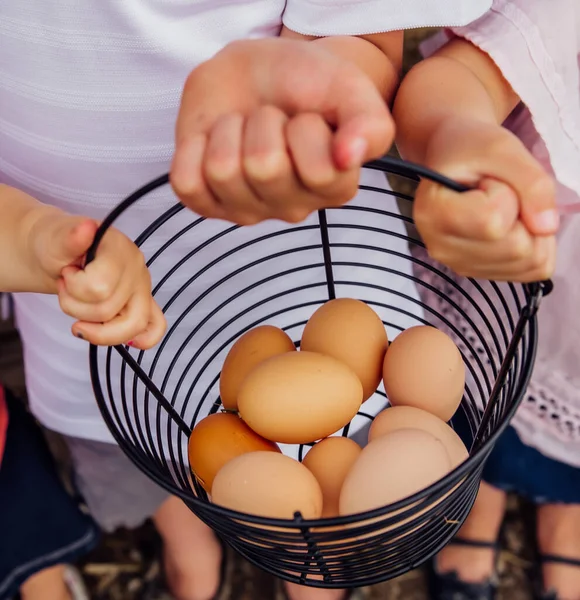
(536,45)
(3,422)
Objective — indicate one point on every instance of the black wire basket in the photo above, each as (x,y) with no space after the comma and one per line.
(216,281)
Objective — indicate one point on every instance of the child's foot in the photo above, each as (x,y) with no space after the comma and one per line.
(476,564)
(49,584)
(559,535)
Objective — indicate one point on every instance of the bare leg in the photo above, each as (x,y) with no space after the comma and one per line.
(476,565)
(559,534)
(300,592)
(48,584)
(192,553)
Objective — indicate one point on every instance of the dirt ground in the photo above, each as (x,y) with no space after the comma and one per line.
(125,566)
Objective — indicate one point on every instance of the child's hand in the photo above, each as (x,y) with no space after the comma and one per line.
(504,230)
(111,297)
(275,128)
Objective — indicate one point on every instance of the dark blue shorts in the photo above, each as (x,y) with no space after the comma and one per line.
(40,524)
(514,467)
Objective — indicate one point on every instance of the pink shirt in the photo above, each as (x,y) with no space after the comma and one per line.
(536,45)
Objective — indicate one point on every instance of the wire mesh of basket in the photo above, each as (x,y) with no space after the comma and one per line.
(215,281)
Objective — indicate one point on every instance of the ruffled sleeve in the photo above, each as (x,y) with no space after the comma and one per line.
(536,45)
(359,17)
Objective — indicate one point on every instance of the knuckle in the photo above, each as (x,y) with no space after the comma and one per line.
(296,215)
(187,188)
(519,248)
(222,169)
(543,185)
(247,220)
(101,289)
(102,313)
(266,167)
(141,322)
(503,145)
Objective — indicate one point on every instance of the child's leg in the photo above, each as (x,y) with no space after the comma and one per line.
(41,526)
(119,495)
(475,565)
(298,592)
(48,584)
(559,535)
(192,553)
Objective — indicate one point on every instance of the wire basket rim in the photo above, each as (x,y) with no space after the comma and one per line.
(533,294)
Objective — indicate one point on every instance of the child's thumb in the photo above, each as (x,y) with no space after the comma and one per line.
(365,128)
(538,210)
(73,238)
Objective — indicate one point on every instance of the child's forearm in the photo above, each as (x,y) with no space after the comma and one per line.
(380,55)
(19,269)
(458,82)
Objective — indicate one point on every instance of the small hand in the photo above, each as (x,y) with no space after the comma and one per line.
(275,128)
(503,230)
(111,297)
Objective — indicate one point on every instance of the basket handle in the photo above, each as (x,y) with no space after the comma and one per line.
(387,164)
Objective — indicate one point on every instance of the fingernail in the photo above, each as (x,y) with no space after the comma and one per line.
(80,335)
(358,152)
(547,221)
(130,343)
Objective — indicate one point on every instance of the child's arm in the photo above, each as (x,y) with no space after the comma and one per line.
(278,128)
(448,112)
(42,250)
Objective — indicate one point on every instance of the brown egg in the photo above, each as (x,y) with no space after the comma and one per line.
(330,461)
(391,468)
(423,368)
(350,331)
(299,397)
(409,417)
(268,484)
(216,440)
(250,350)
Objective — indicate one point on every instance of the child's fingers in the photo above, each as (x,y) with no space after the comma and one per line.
(187,178)
(126,325)
(499,155)
(93,311)
(485,214)
(268,166)
(310,142)
(98,282)
(224,173)
(154,331)
(518,257)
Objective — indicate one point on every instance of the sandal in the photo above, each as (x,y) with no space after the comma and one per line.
(562,560)
(448,586)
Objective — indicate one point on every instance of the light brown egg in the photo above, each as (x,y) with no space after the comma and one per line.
(424,368)
(299,397)
(330,461)
(350,331)
(216,440)
(250,350)
(409,417)
(268,484)
(391,468)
